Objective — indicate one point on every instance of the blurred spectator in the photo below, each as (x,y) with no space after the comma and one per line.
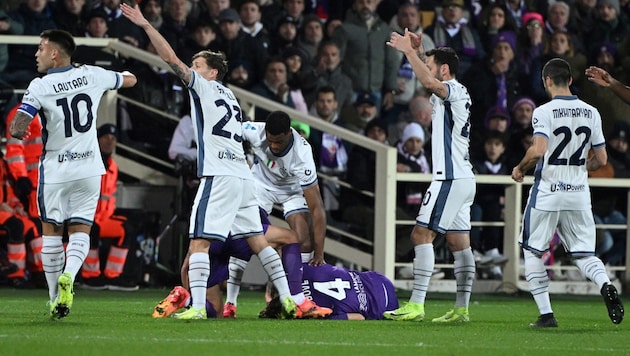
(201,38)
(183,152)
(290,8)
(175,27)
(411,158)
(330,26)
(274,87)
(298,76)
(236,44)
(328,73)
(494,19)
(330,152)
(560,45)
(582,17)
(407,86)
(310,37)
(69,15)
(238,74)
(558,20)
(489,204)
(494,81)
(34,16)
(610,26)
(518,8)
(210,10)
(497,119)
(284,36)
(96,27)
(451,29)
(420,110)
(367,60)
(522,112)
(152,11)
(119,26)
(530,46)
(250,14)
(362,112)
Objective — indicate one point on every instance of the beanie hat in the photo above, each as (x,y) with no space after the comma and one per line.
(523,100)
(107,129)
(413,129)
(496,112)
(612,3)
(505,36)
(532,16)
(376,122)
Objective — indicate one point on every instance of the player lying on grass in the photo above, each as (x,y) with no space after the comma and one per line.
(350,294)
(220,254)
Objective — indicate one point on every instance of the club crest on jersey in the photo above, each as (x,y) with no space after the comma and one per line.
(307,172)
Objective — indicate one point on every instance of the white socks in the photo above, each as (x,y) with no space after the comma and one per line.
(538,280)
(77,250)
(464,269)
(53,260)
(423,265)
(236,268)
(198,273)
(273,266)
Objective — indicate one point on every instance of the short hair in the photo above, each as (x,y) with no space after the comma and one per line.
(445,55)
(215,60)
(558,70)
(278,122)
(326,89)
(61,38)
(244,2)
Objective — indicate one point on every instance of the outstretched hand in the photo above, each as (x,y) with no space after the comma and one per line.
(598,76)
(134,14)
(408,43)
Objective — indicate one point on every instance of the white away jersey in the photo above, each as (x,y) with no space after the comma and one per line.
(291,171)
(450,138)
(67,100)
(572,128)
(217,118)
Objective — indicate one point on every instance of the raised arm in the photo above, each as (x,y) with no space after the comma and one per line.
(411,46)
(604,79)
(163,48)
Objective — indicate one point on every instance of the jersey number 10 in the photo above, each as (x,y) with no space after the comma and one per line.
(72,116)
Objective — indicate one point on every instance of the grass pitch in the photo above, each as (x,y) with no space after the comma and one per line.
(120,323)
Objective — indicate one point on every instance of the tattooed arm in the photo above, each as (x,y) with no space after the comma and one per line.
(163,48)
(20,124)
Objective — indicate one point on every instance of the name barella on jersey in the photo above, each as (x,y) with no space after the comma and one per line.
(217,126)
(450,138)
(572,128)
(290,171)
(67,100)
(367,293)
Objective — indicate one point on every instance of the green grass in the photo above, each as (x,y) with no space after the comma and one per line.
(119,323)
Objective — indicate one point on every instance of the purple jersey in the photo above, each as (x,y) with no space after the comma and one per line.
(220,252)
(367,293)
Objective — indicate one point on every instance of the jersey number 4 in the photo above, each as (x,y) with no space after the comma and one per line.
(72,116)
(576,157)
(334,289)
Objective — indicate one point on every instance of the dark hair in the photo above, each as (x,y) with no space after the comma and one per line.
(326,89)
(278,122)
(445,55)
(558,70)
(215,60)
(61,38)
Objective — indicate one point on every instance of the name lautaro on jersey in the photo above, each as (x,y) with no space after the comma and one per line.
(69,85)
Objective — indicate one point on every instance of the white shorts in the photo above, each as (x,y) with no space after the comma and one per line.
(224,205)
(291,202)
(446,206)
(73,201)
(576,229)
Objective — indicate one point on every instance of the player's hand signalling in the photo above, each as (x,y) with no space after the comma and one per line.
(598,76)
(134,15)
(402,43)
(317,260)
(517,175)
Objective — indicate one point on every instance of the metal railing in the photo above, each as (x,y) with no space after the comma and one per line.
(383,258)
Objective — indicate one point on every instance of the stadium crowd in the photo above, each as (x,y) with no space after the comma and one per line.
(329,58)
